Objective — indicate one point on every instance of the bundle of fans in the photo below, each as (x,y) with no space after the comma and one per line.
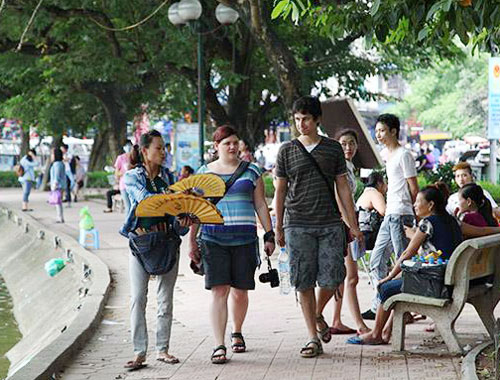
(187,197)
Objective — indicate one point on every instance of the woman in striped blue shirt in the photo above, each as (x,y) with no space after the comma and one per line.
(230,251)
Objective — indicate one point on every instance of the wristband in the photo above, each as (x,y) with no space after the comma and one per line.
(269,237)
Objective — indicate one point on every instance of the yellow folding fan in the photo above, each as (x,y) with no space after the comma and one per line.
(204,185)
(180,204)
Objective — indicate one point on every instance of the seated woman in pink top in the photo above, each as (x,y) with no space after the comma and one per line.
(474,208)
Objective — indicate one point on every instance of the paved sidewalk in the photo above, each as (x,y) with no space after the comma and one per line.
(274,329)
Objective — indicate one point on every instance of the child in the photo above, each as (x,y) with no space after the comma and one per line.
(186,171)
(473,207)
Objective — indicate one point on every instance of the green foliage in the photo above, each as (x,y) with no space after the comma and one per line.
(9,179)
(268,185)
(443,173)
(492,188)
(98,179)
(449,95)
(422,181)
(425,23)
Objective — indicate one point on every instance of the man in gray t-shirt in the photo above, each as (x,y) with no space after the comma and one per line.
(307,217)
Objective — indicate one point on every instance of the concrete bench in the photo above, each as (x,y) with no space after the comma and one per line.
(473,259)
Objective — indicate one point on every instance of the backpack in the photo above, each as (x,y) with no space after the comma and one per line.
(19,170)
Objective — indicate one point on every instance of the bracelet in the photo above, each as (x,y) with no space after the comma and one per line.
(269,237)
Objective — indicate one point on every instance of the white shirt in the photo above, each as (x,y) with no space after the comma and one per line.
(400,166)
(452,204)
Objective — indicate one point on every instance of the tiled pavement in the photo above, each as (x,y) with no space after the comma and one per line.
(274,330)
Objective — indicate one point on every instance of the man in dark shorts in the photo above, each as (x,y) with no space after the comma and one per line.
(307,217)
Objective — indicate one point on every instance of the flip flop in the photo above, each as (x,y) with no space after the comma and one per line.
(170,360)
(134,365)
(336,331)
(359,341)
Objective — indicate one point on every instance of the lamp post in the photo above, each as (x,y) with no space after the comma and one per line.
(189,11)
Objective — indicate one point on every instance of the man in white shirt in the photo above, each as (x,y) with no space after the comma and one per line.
(463,176)
(401,193)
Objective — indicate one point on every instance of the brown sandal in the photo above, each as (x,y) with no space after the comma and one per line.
(137,363)
(325,332)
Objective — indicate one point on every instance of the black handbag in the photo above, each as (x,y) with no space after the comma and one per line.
(156,251)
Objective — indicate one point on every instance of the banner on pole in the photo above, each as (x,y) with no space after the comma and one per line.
(187,144)
(494,99)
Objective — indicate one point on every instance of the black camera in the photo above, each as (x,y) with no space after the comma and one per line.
(271,276)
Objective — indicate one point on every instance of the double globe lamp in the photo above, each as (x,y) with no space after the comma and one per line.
(183,12)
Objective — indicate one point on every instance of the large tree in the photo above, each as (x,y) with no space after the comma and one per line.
(80,67)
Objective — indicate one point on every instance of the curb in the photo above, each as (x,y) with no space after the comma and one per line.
(469,362)
(54,356)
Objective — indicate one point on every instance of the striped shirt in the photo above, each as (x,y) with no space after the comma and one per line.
(238,209)
(308,202)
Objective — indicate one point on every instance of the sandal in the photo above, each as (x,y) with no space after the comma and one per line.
(137,363)
(166,358)
(311,349)
(219,358)
(238,346)
(325,333)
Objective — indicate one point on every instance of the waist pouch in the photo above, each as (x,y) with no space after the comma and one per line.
(156,251)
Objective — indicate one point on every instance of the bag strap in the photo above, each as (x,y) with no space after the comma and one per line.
(313,161)
(242,167)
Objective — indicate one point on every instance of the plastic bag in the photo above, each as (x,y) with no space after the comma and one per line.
(55,197)
(54,266)
(86,220)
(424,279)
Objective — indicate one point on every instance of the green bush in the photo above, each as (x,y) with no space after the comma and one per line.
(9,179)
(443,173)
(98,180)
(268,185)
(492,188)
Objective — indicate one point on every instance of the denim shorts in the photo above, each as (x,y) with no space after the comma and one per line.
(232,265)
(316,256)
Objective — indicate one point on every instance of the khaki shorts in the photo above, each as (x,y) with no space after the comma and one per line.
(316,256)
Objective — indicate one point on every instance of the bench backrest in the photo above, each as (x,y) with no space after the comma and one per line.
(474,258)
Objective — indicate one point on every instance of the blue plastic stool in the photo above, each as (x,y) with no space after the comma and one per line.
(86,235)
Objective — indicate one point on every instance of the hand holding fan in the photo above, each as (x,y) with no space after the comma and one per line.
(180,204)
(203,185)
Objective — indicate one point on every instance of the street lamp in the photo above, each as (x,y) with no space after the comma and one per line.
(187,11)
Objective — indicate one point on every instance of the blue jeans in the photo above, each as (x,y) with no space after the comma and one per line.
(389,289)
(27,185)
(126,200)
(391,238)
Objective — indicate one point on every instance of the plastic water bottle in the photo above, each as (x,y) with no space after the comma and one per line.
(284,270)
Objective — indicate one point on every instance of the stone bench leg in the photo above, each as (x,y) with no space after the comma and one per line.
(446,329)
(398,329)
(484,306)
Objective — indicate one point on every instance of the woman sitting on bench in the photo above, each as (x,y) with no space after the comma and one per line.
(437,230)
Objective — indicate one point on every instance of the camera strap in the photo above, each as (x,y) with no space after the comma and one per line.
(269,267)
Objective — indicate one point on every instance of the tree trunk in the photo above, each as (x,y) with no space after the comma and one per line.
(99,155)
(279,55)
(25,141)
(116,112)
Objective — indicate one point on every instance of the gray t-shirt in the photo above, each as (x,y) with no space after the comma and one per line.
(308,202)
